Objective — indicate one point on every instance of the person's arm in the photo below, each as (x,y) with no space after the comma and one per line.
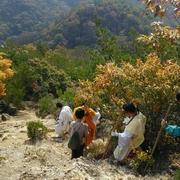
(163,123)
(115,133)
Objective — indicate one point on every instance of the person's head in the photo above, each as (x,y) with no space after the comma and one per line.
(79,113)
(178,96)
(129,109)
(59,105)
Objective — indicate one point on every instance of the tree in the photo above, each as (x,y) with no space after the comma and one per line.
(5,72)
(162,7)
(164,41)
(151,82)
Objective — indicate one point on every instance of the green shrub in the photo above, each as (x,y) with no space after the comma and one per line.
(142,162)
(49,78)
(46,106)
(36,130)
(177,174)
(67,96)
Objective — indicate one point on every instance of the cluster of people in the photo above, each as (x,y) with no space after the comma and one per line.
(81,124)
(82,120)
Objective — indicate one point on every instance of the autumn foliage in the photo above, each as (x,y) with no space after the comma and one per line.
(5,73)
(163,40)
(161,7)
(150,84)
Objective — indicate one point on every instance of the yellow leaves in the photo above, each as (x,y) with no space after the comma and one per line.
(150,82)
(160,37)
(143,156)
(140,158)
(2,89)
(105,74)
(5,72)
(159,7)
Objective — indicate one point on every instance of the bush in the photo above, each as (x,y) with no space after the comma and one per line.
(36,130)
(153,83)
(46,106)
(49,79)
(97,148)
(15,92)
(177,174)
(5,72)
(67,96)
(141,162)
(34,77)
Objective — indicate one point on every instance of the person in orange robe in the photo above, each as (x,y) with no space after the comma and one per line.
(88,119)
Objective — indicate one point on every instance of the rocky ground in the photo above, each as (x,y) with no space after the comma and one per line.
(49,159)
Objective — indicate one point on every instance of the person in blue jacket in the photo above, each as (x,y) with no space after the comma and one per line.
(173,130)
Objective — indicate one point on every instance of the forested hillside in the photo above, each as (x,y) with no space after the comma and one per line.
(25,18)
(78,26)
(69,23)
(118,57)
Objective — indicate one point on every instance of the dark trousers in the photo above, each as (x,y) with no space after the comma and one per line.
(78,152)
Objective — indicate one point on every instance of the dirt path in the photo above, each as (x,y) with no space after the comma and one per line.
(49,160)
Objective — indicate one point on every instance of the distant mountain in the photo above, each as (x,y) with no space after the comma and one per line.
(69,22)
(27,17)
(78,26)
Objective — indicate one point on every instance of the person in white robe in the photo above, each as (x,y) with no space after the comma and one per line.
(63,120)
(133,135)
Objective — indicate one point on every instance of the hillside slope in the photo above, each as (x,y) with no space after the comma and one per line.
(69,21)
(49,159)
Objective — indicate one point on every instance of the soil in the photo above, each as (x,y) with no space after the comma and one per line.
(50,159)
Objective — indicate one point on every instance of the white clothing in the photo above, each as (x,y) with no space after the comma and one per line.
(137,128)
(96,118)
(64,120)
(131,138)
(122,148)
(126,120)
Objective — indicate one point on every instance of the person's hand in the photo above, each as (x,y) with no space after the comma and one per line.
(114,133)
(163,123)
(97,109)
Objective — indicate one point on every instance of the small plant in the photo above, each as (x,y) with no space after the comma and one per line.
(141,161)
(2,158)
(97,148)
(36,130)
(36,153)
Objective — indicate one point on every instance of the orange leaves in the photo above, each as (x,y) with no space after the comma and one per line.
(150,82)
(105,74)
(163,40)
(5,72)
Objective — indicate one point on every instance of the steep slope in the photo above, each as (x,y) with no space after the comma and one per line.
(19,159)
